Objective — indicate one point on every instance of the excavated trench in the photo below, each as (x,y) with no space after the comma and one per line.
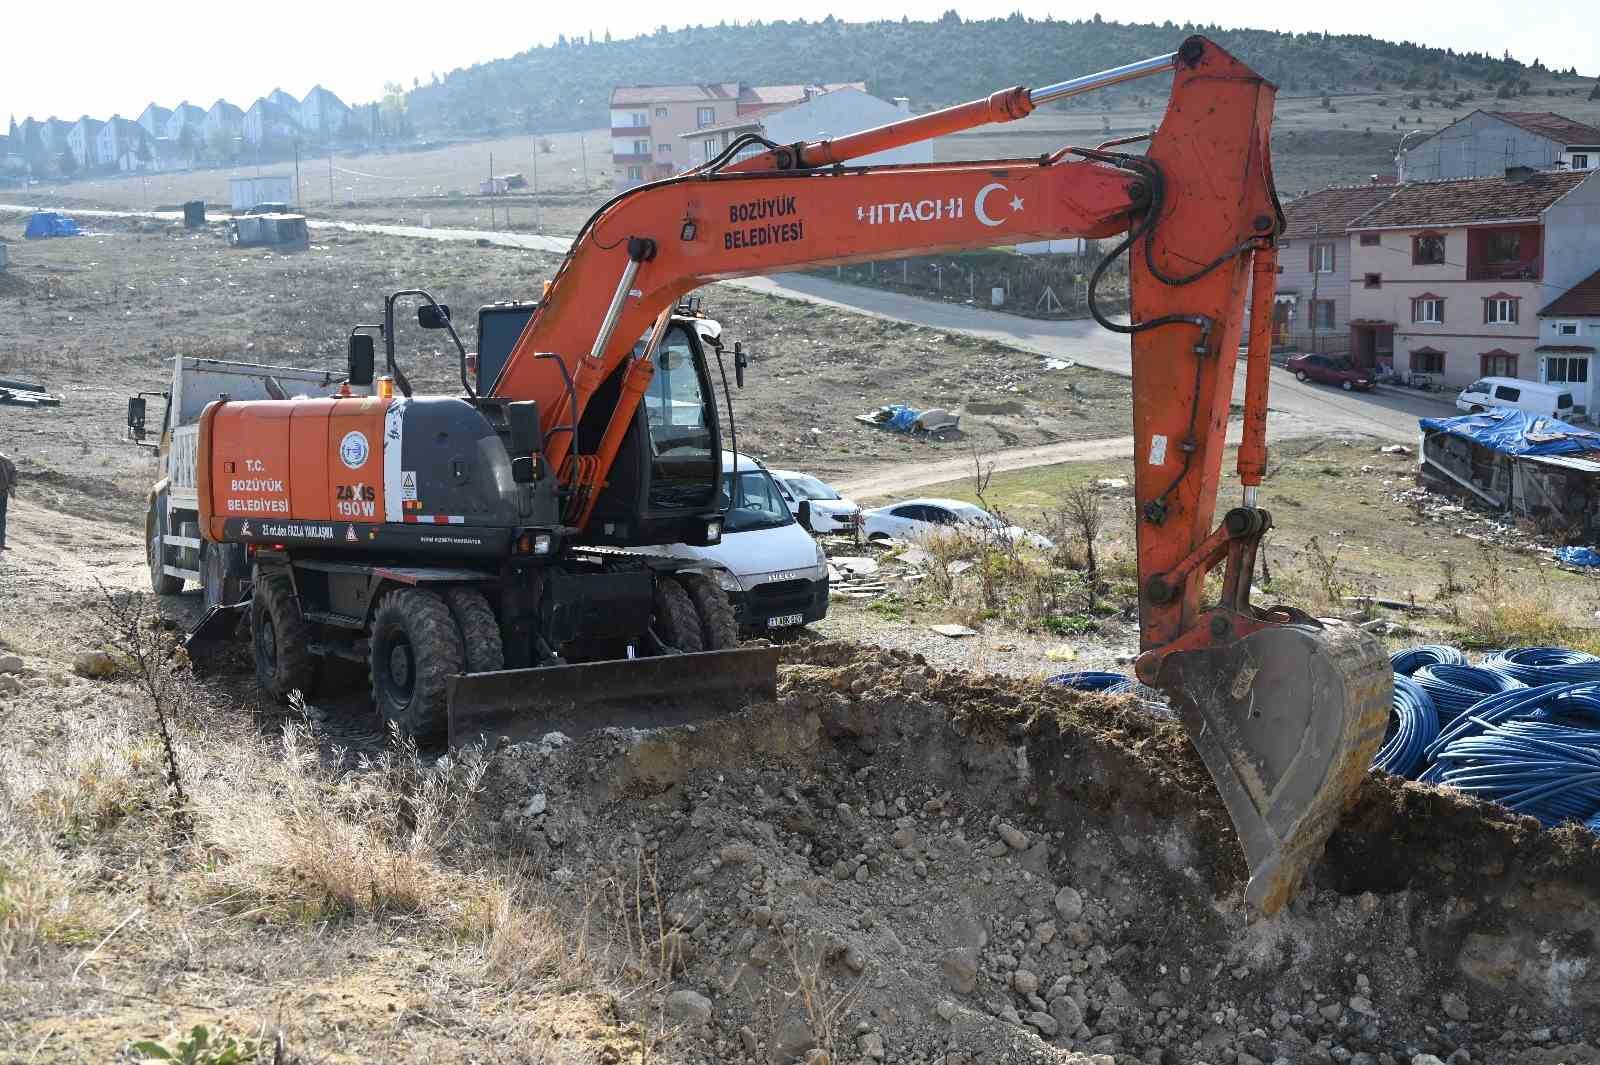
(981,870)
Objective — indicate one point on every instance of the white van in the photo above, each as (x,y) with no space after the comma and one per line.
(1542,400)
(775,574)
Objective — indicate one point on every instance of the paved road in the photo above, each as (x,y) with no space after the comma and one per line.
(1296,409)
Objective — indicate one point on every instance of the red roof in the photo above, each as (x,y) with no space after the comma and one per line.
(1328,211)
(1580,301)
(1549,124)
(1469,201)
(634,95)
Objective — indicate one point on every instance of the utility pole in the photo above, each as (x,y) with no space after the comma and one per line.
(297,198)
(537,146)
(330,177)
(583,150)
(491,190)
(1316,277)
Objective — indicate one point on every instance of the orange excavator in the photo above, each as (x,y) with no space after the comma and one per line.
(481,553)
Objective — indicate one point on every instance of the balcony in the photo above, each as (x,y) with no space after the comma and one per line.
(629,159)
(1502,271)
(626,132)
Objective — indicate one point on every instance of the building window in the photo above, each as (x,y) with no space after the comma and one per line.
(638,118)
(1427,360)
(1580,162)
(1322,314)
(664,149)
(1566,370)
(1500,310)
(1428,309)
(1566,329)
(1321,259)
(1498,364)
(705,116)
(1503,246)
(635,173)
(1369,240)
(1372,281)
(710,147)
(661,112)
(641,147)
(1427,249)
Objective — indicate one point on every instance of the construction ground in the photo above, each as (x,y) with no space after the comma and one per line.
(915,854)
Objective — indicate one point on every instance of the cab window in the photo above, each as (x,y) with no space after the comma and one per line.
(682,444)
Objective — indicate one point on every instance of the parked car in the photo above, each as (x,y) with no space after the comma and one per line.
(775,574)
(1547,401)
(1329,370)
(920,518)
(830,511)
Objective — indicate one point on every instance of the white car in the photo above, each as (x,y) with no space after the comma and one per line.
(830,512)
(916,519)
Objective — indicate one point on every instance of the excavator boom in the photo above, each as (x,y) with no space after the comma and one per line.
(1286,710)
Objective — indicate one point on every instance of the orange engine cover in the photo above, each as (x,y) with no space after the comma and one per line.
(307,460)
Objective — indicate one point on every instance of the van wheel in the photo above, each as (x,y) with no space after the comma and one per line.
(415,648)
(280,639)
(480,630)
(1476,409)
(719,626)
(155,530)
(677,623)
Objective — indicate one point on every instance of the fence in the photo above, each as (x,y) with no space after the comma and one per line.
(1039,286)
(1328,342)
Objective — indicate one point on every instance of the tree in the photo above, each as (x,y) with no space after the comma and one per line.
(68,163)
(394,108)
(1594,93)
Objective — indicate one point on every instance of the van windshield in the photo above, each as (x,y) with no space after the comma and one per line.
(753,502)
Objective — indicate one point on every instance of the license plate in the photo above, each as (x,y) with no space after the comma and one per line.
(783,621)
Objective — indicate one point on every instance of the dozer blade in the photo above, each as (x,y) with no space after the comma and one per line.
(1287,720)
(523,704)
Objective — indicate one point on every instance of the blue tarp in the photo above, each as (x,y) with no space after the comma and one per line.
(1515,432)
(1578,556)
(50,224)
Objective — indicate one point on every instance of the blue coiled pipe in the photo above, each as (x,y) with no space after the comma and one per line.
(1414,726)
(1087,681)
(1412,659)
(1548,770)
(1544,665)
(1455,688)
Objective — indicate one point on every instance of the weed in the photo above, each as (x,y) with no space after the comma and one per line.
(888,609)
(200,1049)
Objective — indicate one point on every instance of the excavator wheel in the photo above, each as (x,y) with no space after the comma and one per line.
(415,647)
(480,629)
(280,638)
(1287,719)
(677,623)
(719,626)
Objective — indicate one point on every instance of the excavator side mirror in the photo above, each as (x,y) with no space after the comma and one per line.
(433,316)
(740,361)
(360,360)
(136,412)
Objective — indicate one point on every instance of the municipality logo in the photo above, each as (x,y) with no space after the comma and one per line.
(353,450)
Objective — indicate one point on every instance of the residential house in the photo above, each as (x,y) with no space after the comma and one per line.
(648,121)
(819,112)
(123,145)
(322,112)
(81,141)
(1312,308)
(154,119)
(186,116)
(283,100)
(1488,143)
(763,98)
(268,121)
(1569,334)
(223,118)
(1446,277)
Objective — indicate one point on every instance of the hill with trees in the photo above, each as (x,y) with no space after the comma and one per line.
(567,85)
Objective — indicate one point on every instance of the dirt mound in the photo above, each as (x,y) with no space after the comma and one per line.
(893,862)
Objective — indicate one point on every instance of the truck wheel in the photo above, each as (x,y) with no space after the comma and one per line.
(719,626)
(281,639)
(216,587)
(155,530)
(415,647)
(480,629)
(677,623)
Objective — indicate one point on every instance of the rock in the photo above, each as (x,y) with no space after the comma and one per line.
(536,805)
(1015,838)
(792,1039)
(1059,988)
(1539,1035)
(1332,1011)
(747,1039)
(95,664)
(947,1011)
(871,1046)
(1046,1024)
(961,969)
(10,664)
(1425,1059)
(861,873)
(1045,933)
(846,815)
(1455,1007)
(9,685)
(737,854)
(689,1006)
(1024,983)
(1362,1005)
(1069,904)
(903,838)
(1066,1013)
(818,1057)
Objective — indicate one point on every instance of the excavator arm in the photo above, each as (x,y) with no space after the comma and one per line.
(1286,710)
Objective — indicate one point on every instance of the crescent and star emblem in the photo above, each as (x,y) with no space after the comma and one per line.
(982,212)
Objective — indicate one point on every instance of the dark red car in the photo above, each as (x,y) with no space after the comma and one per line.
(1329,370)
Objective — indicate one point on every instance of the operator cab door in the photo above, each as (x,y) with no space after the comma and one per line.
(681,418)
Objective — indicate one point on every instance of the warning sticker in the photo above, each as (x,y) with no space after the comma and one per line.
(408,484)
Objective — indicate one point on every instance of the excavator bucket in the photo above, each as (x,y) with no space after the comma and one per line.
(1287,720)
(524,704)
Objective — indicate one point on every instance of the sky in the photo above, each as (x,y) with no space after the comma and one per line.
(114,58)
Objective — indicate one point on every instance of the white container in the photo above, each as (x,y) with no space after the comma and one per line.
(997,297)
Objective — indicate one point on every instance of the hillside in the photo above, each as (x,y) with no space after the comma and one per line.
(567,85)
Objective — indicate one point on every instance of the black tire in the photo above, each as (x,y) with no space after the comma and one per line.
(1476,409)
(280,639)
(216,587)
(1300,375)
(719,626)
(415,647)
(677,623)
(480,630)
(155,530)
